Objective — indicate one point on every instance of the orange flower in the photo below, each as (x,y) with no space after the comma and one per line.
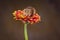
(26,16)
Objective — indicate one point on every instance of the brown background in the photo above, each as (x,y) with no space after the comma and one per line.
(47,29)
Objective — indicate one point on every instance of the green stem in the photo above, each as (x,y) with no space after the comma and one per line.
(25,31)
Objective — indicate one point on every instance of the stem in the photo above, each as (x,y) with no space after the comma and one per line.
(25,31)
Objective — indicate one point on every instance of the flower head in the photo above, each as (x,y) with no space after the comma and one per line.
(27,15)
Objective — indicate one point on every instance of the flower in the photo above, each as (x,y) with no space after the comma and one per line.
(27,15)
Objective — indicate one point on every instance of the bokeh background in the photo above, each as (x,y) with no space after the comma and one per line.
(47,29)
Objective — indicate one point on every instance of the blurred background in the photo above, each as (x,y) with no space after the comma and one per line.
(47,29)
